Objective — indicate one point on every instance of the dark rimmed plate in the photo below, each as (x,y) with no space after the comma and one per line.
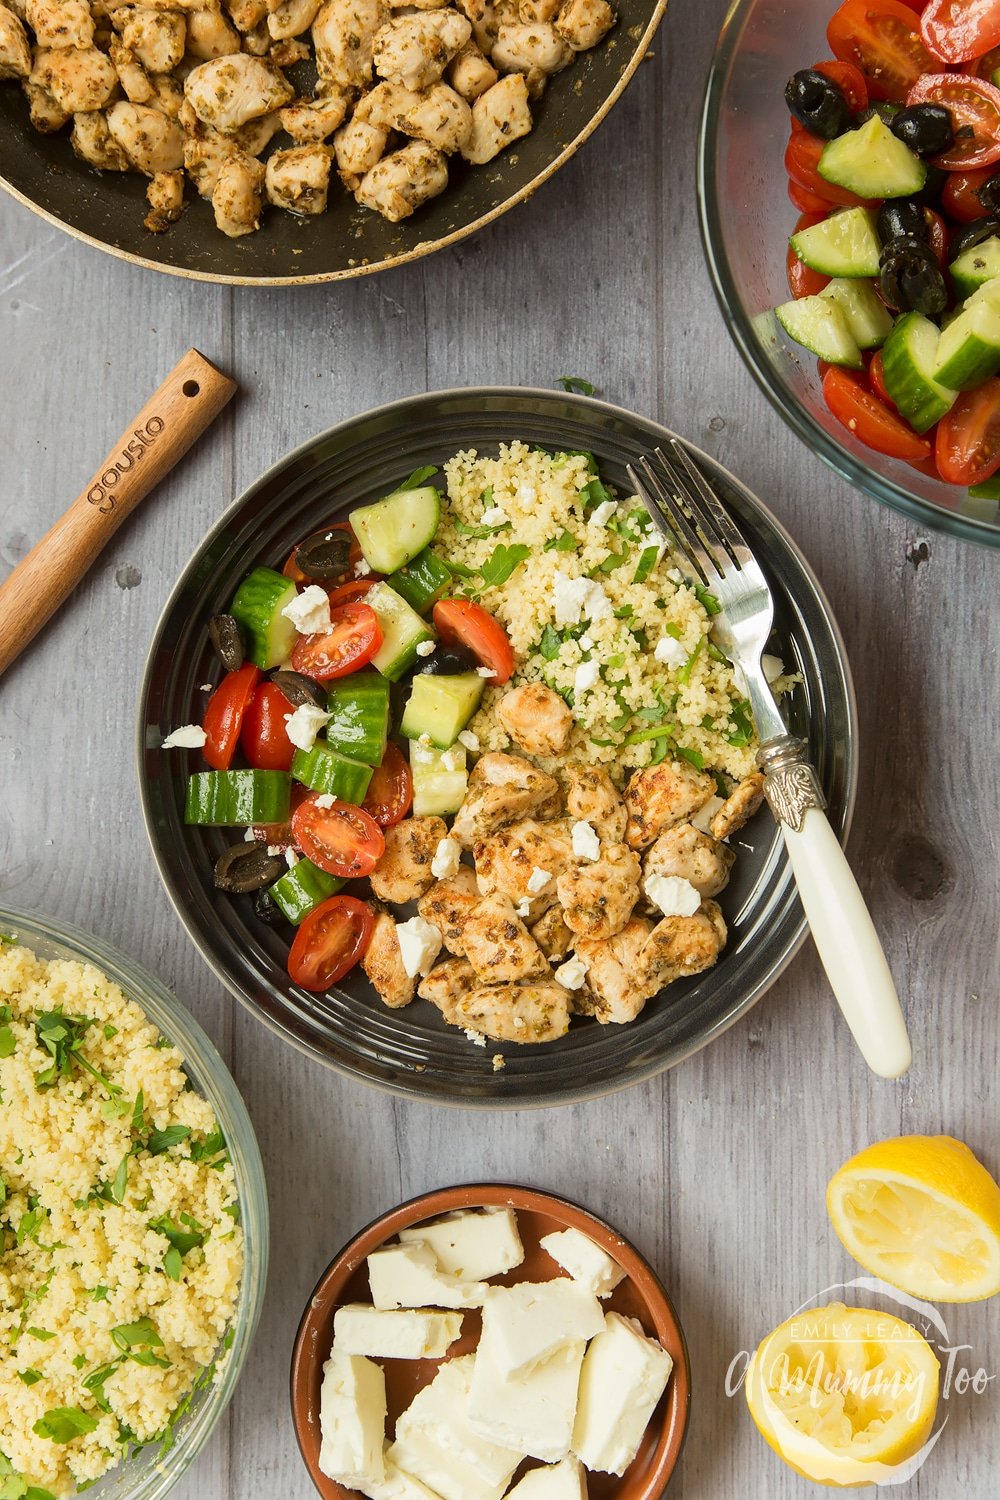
(412,1051)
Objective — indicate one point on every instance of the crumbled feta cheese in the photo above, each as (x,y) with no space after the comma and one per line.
(602,514)
(469,739)
(485,672)
(538,879)
(361,568)
(447,857)
(206,687)
(424,648)
(476,1037)
(671,652)
(304,725)
(326,799)
(499,1062)
(675,896)
(274,850)
(495,516)
(250,837)
(772,667)
(586,844)
(291,858)
(527,494)
(572,973)
(523,907)
(188,737)
(587,674)
(309,611)
(452,760)
(575,599)
(419,945)
(424,740)
(586,643)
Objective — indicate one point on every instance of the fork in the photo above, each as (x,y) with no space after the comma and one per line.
(714,553)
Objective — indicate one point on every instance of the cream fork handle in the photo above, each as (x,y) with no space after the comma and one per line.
(848,944)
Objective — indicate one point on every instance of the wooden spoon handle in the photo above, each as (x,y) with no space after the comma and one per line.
(189,399)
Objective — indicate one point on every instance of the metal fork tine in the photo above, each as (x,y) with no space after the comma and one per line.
(708,538)
(725,526)
(691,543)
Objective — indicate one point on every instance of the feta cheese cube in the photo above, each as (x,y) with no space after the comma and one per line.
(772,667)
(574,599)
(586,676)
(424,648)
(304,725)
(434,1436)
(419,945)
(472,1244)
(352,1420)
(566,1480)
(187,737)
(495,516)
(572,973)
(533,1413)
(586,1262)
(325,799)
(586,844)
(309,611)
(408,1275)
(379,1333)
(361,568)
(447,858)
(702,819)
(523,908)
(485,672)
(670,651)
(442,1472)
(586,643)
(601,514)
(524,1325)
(538,879)
(675,896)
(469,739)
(623,1377)
(398,1485)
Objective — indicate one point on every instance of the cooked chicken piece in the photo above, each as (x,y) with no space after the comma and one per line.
(679,946)
(409,6)
(151,141)
(507,12)
(255,134)
(289,18)
(499,118)
(470,73)
(246,14)
(598,896)
(60,23)
(473,10)
(398,184)
(449,903)
(499,946)
(157,38)
(404,871)
(15,53)
(299,180)
(415,50)
(582,23)
(258,43)
(165,195)
(238,195)
(205,155)
(309,121)
(93,143)
(617,985)
(383,963)
(739,807)
(168,95)
(515,1012)
(17,8)
(438,115)
(210,34)
(503,789)
(228,91)
(448,982)
(77,79)
(484,20)
(685,852)
(552,935)
(131,74)
(529,11)
(592,797)
(343,36)
(506,862)
(45,114)
(357,146)
(286,53)
(520,48)
(536,719)
(662,795)
(179,5)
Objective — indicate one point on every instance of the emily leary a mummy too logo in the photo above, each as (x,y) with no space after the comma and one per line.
(101,492)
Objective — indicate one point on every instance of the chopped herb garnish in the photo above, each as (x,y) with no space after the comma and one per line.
(459,570)
(564,542)
(159,1141)
(79,1361)
(30,1224)
(120,1180)
(62,1037)
(182,1240)
(639,736)
(594,493)
(624,613)
(99,1294)
(576,385)
(481,533)
(418,477)
(173,1263)
(611,562)
(684,674)
(695,757)
(138,1110)
(64,1423)
(550,644)
(707,600)
(139,1341)
(740,714)
(109,1030)
(40,1333)
(233,1210)
(30,1377)
(660,751)
(8,1041)
(717,655)
(646,564)
(94,1382)
(501,563)
(210,1146)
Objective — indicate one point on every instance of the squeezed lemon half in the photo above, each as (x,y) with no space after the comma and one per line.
(922,1213)
(844,1395)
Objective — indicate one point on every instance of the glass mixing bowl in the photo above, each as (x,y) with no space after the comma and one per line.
(746,220)
(151,1472)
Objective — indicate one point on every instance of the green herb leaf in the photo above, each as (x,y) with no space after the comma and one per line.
(594,494)
(35,1492)
(233,1210)
(660,751)
(138,1109)
(576,385)
(481,533)
(99,1294)
(79,1361)
(41,1333)
(30,1224)
(740,714)
(611,562)
(695,757)
(64,1423)
(120,1180)
(459,570)
(646,564)
(564,542)
(657,731)
(213,1143)
(30,1377)
(684,674)
(708,601)
(502,562)
(418,478)
(109,1031)
(173,1263)
(550,644)
(134,1335)
(159,1141)
(94,1382)
(8,1041)
(182,1240)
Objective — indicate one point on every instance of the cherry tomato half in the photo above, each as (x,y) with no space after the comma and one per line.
(967,445)
(468,624)
(876,379)
(280,835)
(803,281)
(350,593)
(865,416)
(329,942)
(263,737)
(881,38)
(294,572)
(937,236)
(974,105)
(352,640)
(224,713)
(802,156)
(849,80)
(807,203)
(390,791)
(958,30)
(958,196)
(342,839)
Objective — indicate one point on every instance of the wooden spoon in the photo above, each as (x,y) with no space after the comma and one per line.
(186,403)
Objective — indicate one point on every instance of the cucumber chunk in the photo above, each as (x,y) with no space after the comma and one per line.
(302,888)
(256,608)
(873,163)
(358,706)
(909,365)
(324,769)
(440,780)
(421,582)
(975,267)
(819,324)
(988,292)
(988,490)
(394,530)
(969,351)
(440,707)
(868,318)
(845,244)
(234,799)
(402,631)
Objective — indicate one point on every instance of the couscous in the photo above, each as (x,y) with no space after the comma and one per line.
(122,1251)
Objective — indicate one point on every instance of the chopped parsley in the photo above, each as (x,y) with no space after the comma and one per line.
(419,477)
(707,600)
(740,714)
(159,1141)
(576,385)
(550,644)
(139,1341)
(646,564)
(8,1041)
(64,1423)
(502,562)
(30,1377)
(564,542)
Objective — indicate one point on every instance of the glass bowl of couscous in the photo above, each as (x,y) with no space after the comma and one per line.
(133,1222)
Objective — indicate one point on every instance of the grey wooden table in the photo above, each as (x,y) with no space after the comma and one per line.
(716,1170)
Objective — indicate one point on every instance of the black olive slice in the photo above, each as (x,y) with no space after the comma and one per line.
(247,867)
(267,909)
(448,661)
(325,556)
(299,689)
(224,633)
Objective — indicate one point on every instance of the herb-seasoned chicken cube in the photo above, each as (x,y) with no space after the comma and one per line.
(15,53)
(205,155)
(521,1013)
(690,855)
(357,146)
(60,23)
(246,15)
(46,115)
(499,117)
(448,982)
(514,861)
(415,50)
(519,49)
(582,23)
(93,143)
(77,79)
(662,795)
(598,896)
(152,142)
(552,935)
(617,984)
(210,34)
(503,789)
(499,946)
(398,184)
(157,38)
(739,807)
(309,121)
(383,963)
(536,718)
(343,36)
(299,179)
(448,904)
(437,115)
(404,871)
(592,797)
(165,196)
(132,75)
(290,18)
(238,195)
(471,73)
(681,946)
(228,91)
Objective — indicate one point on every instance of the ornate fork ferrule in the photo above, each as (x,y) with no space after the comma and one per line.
(791,785)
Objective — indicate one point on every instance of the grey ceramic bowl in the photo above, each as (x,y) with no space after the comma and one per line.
(412,1051)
